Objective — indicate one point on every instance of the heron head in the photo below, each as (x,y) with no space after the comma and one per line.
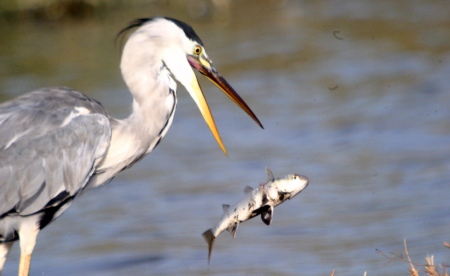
(179,49)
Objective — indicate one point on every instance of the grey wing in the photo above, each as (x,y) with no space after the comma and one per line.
(50,142)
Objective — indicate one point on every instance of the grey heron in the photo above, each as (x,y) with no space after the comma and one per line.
(56,143)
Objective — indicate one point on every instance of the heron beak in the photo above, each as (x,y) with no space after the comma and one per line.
(202,104)
(204,67)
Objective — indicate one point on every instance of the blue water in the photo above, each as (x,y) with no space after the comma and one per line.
(363,113)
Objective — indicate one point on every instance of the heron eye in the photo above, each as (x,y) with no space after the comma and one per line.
(197,50)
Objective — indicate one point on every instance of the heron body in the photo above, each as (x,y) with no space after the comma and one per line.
(56,143)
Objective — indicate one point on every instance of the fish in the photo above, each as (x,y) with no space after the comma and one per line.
(258,201)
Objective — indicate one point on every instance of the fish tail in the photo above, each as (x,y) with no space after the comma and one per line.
(209,238)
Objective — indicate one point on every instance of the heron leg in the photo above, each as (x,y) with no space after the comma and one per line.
(24,266)
(27,239)
(4,251)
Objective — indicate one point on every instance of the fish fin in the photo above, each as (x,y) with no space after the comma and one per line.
(225,207)
(248,189)
(233,228)
(270,175)
(209,238)
(266,215)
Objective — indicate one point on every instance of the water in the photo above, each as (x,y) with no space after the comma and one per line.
(355,96)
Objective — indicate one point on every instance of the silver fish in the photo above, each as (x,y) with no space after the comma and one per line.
(259,201)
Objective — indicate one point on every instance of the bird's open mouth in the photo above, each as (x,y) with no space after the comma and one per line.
(205,68)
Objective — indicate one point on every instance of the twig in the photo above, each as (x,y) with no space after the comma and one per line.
(412,270)
(430,268)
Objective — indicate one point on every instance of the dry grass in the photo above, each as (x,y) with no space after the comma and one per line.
(412,270)
(429,267)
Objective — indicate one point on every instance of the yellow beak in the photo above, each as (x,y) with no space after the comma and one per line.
(211,73)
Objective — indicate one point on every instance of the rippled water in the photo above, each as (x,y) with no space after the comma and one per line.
(354,95)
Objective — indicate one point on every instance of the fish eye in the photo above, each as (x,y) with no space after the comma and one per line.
(197,50)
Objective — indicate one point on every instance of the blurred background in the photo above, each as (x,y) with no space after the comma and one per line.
(355,95)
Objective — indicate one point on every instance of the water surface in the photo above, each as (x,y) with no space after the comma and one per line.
(355,96)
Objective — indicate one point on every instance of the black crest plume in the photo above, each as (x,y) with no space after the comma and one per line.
(187,29)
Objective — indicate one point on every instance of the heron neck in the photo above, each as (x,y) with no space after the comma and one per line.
(154,102)
(154,105)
